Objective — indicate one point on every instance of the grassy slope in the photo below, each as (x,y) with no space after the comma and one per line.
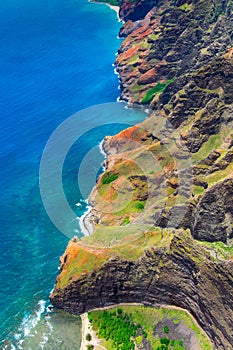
(93,251)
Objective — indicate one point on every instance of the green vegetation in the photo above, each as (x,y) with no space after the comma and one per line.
(127,326)
(186,7)
(121,332)
(112,235)
(109,177)
(84,261)
(198,190)
(221,250)
(134,206)
(88,337)
(110,2)
(139,205)
(158,88)
(139,339)
(219,175)
(117,328)
(169,344)
(213,143)
(127,242)
(145,45)
(90,347)
(219,142)
(152,37)
(136,88)
(133,59)
(126,221)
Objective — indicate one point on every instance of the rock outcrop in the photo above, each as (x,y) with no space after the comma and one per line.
(185,275)
(162,216)
(135,10)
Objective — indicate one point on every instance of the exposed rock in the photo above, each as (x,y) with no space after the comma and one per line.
(148,77)
(170,173)
(136,10)
(184,275)
(214,213)
(204,32)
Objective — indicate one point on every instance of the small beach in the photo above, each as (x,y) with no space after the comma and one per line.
(113,7)
(87,329)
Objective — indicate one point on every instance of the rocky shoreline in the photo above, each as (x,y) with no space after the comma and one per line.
(188,277)
(172,242)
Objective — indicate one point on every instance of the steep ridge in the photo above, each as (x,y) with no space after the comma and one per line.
(162,217)
(181,273)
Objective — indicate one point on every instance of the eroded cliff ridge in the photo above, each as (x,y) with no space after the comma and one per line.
(162,217)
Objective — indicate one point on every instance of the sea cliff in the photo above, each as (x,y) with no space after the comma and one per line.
(162,212)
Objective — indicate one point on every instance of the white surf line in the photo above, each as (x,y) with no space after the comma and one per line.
(112,7)
(82,224)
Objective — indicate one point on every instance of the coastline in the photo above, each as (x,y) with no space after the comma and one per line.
(87,329)
(85,226)
(87,229)
(159,305)
(112,7)
(85,223)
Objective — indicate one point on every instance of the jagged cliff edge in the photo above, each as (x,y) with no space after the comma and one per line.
(168,185)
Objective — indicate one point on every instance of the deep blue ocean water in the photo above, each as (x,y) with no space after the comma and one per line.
(55,59)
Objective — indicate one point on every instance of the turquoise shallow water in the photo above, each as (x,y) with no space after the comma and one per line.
(55,59)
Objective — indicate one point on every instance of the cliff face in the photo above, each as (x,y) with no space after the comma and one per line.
(136,10)
(175,40)
(185,275)
(162,217)
(178,61)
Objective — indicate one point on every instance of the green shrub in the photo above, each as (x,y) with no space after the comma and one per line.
(119,328)
(176,321)
(160,87)
(90,347)
(108,178)
(88,337)
(186,7)
(140,205)
(126,221)
(119,311)
(164,341)
(166,329)
(139,339)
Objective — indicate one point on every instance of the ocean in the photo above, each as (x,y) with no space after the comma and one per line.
(55,60)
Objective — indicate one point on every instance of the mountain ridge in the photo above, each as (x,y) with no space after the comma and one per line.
(168,186)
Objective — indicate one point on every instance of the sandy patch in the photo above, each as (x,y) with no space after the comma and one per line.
(87,328)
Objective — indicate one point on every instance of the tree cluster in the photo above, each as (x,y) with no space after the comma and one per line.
(120,328)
